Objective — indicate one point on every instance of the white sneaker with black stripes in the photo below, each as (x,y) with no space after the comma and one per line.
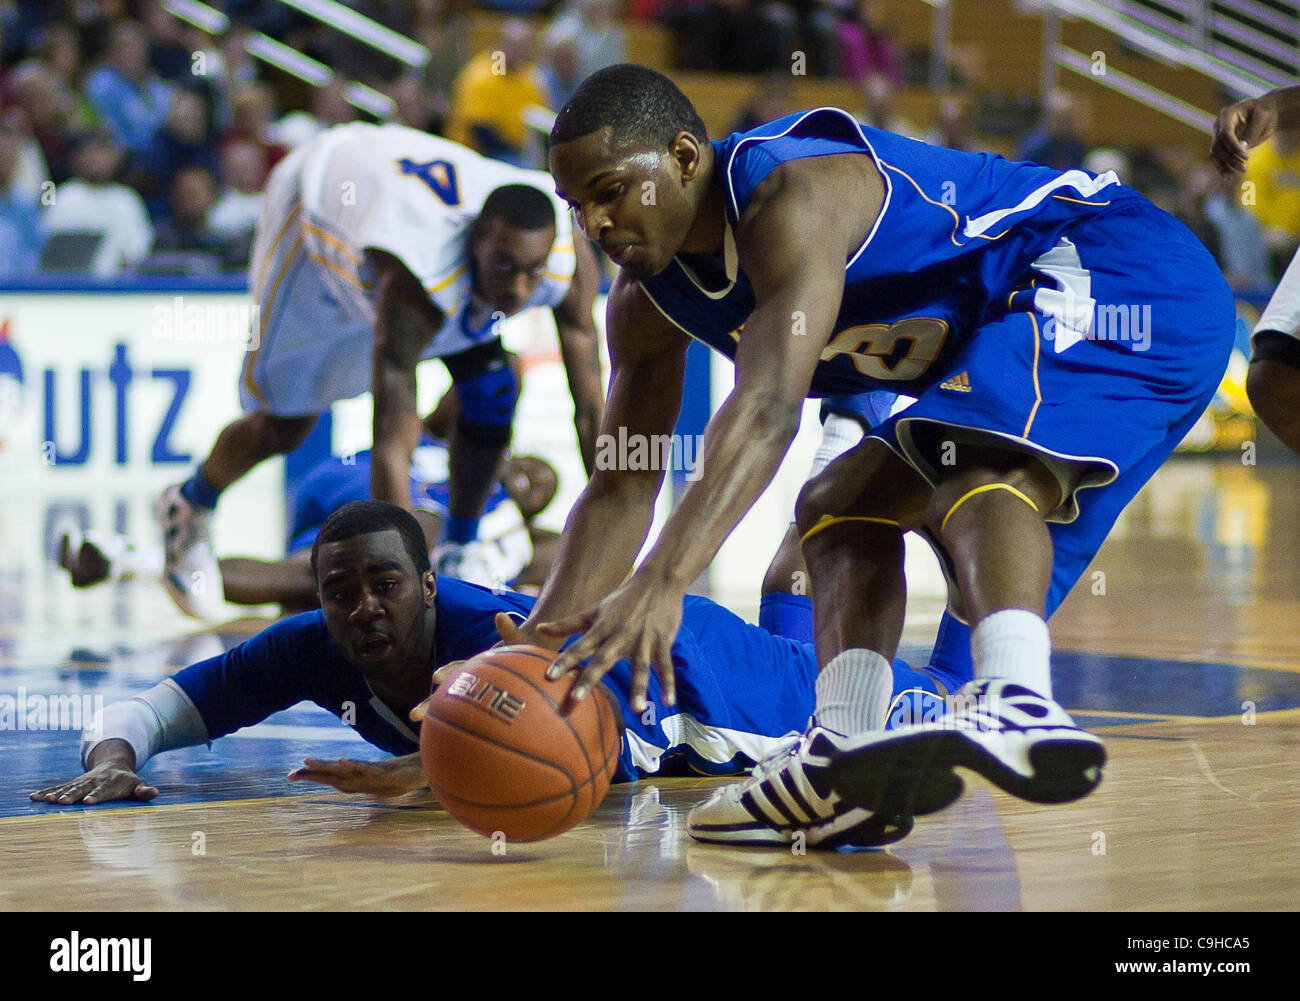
(787,796)
(1023,743)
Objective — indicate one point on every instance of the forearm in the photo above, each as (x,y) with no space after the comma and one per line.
(742,450)
(160,719)
(396,433)
(602,537)
(580,349)
(1286,102)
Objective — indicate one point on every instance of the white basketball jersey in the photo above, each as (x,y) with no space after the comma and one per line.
(415,196)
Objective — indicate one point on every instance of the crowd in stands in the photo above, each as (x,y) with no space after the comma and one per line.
(119,119)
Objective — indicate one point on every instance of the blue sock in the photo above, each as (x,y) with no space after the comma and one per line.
(787,615)
(916,698)
(459,530)
(199,492)
(951,661)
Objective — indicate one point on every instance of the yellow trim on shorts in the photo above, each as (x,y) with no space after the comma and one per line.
(979,490)
(827,521)
(284,228)
(330,239)
(342,272)
(1038,391)
(249,382)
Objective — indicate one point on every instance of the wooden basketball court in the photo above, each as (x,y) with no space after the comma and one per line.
(1179,646)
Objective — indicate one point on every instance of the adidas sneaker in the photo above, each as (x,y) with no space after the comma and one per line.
(1023,743)
(788,794)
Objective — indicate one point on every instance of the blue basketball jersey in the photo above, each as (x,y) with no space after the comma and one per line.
(954,239)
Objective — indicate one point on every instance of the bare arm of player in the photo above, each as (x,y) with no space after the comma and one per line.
(1244,125)
(794,253)
(109,775)
(611,519)
(405,322)
(580,349)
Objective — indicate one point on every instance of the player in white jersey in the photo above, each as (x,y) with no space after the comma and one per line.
(377,247)
(1273,382)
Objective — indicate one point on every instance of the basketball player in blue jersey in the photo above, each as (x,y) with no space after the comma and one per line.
(1059,332)
(377,247)
(386,625)
(1273,381)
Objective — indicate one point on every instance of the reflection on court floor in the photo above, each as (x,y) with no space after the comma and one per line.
(1182,653)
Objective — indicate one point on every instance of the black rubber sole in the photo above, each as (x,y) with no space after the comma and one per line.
(908,776)
(914,775)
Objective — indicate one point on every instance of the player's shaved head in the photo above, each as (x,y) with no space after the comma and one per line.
(640,106)
(520,206)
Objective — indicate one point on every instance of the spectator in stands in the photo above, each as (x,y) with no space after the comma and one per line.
(94,202)
(1057,142)
(953,129)
(413,106)
(793,26)
(1238,238)
(329,107)
(773,98)
(240,201)
(879,107)
(595,27)
(1274,196)
(559,68)
(185,140)
(492,94)
(254,122)
(20,219)
(169,56)
(442,27)
(864,45)
(35,89)
(187,229)
(127,95)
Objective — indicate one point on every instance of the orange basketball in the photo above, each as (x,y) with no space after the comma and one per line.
(501,757)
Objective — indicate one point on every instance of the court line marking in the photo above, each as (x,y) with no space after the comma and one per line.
(70,809)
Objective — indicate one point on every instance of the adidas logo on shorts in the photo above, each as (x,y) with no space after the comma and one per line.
(959,383)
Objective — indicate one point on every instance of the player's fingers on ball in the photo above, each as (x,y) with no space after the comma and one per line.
(508,629)
(421,710)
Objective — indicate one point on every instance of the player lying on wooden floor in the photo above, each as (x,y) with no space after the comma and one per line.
(386,623)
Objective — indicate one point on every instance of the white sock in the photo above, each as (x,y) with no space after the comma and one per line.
(839,434)
(1014,645)
(853,692)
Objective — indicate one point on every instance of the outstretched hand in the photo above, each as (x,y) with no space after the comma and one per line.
(637,622)
(101,784)
(376,778)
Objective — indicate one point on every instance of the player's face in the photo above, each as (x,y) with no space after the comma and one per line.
(632,201)
(378,608)
(508,263)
